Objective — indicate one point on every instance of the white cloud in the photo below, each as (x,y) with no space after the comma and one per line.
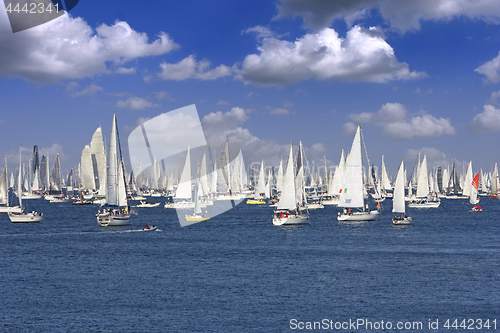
(123,70)
(90,90)
(280,111)
(486,121)
(349,128)
(402,15)
(189,68)
(363,55)
(136,103)
(435,157)
(396,125)
(494,98)
(491,70)
(68,47)
(222,102)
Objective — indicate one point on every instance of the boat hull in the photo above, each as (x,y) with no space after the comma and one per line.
(432,204)
(107,220)
(315,206)
(7,209)
(401,221)
(256,202)
(291,220)
(25,218)
(196,218)
(360,216)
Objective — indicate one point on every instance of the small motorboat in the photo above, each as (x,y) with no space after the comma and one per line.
(477,209)
(147,204)
(150,228)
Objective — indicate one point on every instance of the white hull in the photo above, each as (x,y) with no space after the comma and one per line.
(315,206)
(106,219)
(180,205)
(431,204)
(25,218)
(31,196)
(456,197)
(332,202)
(291,220)
(7,209)
(404,221)
(360,216)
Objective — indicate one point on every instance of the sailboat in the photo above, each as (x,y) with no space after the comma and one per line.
(260,189)
(474,199)
(23,217)
(398,200)
(288,211)
(116,211)
(183,195)
(4,194)
(424,198)
(196,216)
(353,192)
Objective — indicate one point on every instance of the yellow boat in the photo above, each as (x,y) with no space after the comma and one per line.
(196,218)
(256,202)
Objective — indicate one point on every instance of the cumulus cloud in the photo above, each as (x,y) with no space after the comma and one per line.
(435,157)
(397,125)
(68,47)
(402,15)
(123,70)
(89,90)
(280,111)
(218,126)
(491,70)
(136,103)
(486,121)
(363,55)
(190,68)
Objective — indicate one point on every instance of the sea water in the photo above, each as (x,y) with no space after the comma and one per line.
(239,273)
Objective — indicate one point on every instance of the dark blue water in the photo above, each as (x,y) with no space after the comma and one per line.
(239,273)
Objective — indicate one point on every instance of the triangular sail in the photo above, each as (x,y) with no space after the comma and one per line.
(98,157)
(398,201)
(261,183)
(55,178)
(474,190)
(468,181)
(338,177)
(386,184)
(112,167)
(423,180)
(4,187)
(287,198)
(184,187)
(353,190)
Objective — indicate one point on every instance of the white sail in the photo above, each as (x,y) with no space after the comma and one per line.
(287,198)
(261,183)
(122,192)
(338,177)
(468,181)
(386,184)
(204,189)
(299,177)
(19,186)
(99,156)
(184,187)
(4,187)
(423,180)
(88,181)
(112,167)
(398,201)
(267,191)
(279,178)
(55,178)
(236,184)
(138,175)
(353,189)
(494,180)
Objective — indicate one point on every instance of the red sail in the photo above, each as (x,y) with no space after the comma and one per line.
(475,182)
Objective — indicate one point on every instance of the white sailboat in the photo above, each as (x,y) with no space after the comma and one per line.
(424,198)
(116,211)
(23,217)
(4,194)
(183,194)
(288,212)
(398,200)
(197,216)
(353,193)
(474,199)
(260,189)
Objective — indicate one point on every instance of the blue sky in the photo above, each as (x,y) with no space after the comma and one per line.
(418,75)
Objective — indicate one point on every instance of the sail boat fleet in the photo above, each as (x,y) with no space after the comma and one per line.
(293,190)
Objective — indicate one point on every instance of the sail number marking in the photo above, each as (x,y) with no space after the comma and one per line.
(31,8)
